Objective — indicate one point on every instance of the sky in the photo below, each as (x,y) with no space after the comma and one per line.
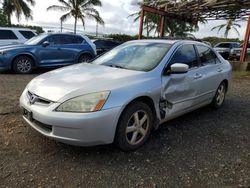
(115,14)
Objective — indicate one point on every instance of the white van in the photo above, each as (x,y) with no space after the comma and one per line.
(11,36)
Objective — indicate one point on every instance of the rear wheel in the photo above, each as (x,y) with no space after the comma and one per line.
(84,58)
(23,65)
(220,95)
(134,126)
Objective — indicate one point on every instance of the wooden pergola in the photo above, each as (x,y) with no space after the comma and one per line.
(192,10)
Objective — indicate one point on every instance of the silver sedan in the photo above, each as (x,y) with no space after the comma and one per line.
(126,93)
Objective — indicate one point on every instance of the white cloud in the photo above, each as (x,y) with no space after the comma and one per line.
(115,14)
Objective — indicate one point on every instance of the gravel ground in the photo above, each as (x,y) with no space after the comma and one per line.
(205,148)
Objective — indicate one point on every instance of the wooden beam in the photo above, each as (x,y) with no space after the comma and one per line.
(245,43)
(141,24)
(162,28)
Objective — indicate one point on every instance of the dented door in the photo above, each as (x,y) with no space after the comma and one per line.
(180,92)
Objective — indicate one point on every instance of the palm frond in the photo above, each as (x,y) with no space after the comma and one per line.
(58,7)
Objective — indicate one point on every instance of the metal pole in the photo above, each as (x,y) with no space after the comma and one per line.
(141,24)
(61,27)
(245,43)
(96,29)
(162,29)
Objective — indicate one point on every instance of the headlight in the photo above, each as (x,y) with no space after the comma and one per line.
(86,103)
(2,52)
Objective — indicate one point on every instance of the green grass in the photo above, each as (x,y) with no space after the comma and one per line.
(240,74)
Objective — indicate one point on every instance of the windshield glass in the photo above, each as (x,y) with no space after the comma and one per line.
(141,56)
(35,40)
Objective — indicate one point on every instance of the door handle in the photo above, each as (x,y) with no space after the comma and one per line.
(197,76)
(219,70)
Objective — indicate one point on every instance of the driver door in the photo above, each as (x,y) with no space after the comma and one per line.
(180,90)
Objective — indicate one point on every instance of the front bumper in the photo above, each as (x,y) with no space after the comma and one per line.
(84,129)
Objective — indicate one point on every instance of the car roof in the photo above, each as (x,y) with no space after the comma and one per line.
(15,28)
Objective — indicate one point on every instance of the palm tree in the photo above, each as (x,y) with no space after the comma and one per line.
(79,9)
(231,24)
(18,7)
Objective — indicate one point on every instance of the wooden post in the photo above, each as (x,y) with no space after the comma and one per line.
(162,28)
(245,43)
(141,24)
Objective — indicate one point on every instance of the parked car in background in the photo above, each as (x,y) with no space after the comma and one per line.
(125,93)
(235,53)
(11,36)
(102,45)
(47,50)
(224,48)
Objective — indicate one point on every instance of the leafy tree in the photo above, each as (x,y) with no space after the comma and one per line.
(79,10)
(229,25)
(3,19)
(17,7)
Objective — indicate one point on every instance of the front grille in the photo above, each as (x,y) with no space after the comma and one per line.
(38,99)
(45,127)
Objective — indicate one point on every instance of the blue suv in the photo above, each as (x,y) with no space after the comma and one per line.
(47,50)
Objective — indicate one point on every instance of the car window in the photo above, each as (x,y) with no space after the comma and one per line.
(141,56)
(27,34)
(223,45)
(68,39)
(79,40)
(187,55)
(54,39)
(7,34)
(99,43)
(111,43)
(206,55)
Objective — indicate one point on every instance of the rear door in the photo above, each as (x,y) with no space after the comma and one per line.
(180,92)
(211,69)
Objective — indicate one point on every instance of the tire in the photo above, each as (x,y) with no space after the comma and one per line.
(84,58)
(131,133)
(220,95)
(23,65)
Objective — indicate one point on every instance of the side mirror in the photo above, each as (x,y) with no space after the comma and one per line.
(45,43)
(179,68)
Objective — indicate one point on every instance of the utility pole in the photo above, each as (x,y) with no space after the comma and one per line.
(61,26)
(96,29)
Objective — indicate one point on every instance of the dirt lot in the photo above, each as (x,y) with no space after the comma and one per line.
(205,148)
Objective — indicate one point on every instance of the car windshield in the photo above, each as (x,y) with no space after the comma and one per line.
(35,40)
(141,56)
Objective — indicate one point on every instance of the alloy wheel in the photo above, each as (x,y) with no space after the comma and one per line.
(24,65)
(220,94)
(137,127)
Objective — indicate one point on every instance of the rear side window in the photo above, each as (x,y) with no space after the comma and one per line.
(206,55)
(7,34)
(187,55)
(27,34)
(70,39)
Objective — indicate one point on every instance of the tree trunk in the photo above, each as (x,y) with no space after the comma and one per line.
(9,19)
(75,24)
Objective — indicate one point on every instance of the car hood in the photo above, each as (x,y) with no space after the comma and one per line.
(12,47)
(64,83)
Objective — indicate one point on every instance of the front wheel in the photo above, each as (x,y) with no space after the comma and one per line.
(23,65)
(84,58)
(134,126)
(220,95)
